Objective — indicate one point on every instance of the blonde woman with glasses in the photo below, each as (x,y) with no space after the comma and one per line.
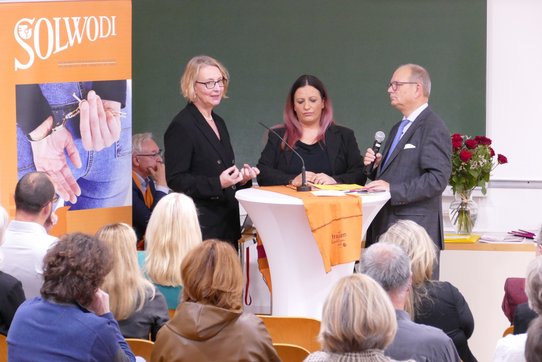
(173,231)
(200,161)
(139,307)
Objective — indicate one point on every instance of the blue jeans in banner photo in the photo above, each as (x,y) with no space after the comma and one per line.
(104,177)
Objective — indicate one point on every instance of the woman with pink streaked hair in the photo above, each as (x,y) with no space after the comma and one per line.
(330,151)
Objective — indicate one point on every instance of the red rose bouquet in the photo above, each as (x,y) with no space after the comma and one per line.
(473,159)
(472,162)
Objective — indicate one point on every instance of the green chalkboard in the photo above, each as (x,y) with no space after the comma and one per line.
(353,46)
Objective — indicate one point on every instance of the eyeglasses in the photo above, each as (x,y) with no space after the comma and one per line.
(156,154)
(212,83)
(395,85)
(55,199)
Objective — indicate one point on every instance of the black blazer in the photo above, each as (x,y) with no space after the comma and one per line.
(340,145)
(523,316)
(417,171)
(194,159)
(446,308)
(11,296)
(140,212)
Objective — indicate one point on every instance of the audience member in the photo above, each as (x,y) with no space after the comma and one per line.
(11,290)
(148,181)
(136,303)
(512,347)
(533,346)
(523,314)
(71,320)
(199,156)
(26,240)
(358,322)
(210,324)
(434,303)
(389,265)
(172,232)
(330,152)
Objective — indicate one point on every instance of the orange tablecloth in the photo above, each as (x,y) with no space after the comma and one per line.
(335,222)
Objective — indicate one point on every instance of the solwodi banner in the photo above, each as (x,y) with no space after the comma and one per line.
(65,96)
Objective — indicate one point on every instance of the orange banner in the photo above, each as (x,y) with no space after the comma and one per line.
(57,58)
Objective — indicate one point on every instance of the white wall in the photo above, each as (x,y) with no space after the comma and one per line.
(514,122)
(514,81)
(514,117)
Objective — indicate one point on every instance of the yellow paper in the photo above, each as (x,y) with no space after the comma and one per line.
(338,187)
(458,238)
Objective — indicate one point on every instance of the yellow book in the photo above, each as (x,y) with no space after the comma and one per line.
(458,238)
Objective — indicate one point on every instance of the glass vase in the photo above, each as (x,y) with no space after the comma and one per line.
(463,212)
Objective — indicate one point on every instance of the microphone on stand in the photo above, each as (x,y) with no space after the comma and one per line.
(304,187)
(379,137)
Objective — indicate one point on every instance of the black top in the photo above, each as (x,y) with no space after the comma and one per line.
(447,309)
(523,317)
(315,158)
(11,296)
(337,153)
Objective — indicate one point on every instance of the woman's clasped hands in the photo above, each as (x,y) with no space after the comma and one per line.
(232,176)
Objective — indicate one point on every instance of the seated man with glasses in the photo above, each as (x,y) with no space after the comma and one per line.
(148,181)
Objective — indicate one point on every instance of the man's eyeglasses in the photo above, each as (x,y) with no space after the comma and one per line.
(156,154)
(395,85)
(212,83)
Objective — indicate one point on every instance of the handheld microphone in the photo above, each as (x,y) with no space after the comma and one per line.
(304,187)
(379,137)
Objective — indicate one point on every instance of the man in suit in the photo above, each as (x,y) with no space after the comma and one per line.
(415,164)
(148,181)
(389,265)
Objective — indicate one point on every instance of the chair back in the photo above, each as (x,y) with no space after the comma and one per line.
(290,352)
(3,348)
(141,347)
(300,331)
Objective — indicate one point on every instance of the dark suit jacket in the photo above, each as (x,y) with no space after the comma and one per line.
(11,296)
(446,308)
(140,212)
(340,145)
(417,176)
(523,316)
(194,159)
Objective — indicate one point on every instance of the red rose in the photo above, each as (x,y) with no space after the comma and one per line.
(457,137)
(491,152)
(465,155)
(457,144)
(483,140)
(470,143)
(501,159)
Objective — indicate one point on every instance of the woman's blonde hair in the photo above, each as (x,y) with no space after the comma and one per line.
(173,231)
(422,252)
(4,222)
(191,73)
(127,287)
(212,275)
(357,316)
